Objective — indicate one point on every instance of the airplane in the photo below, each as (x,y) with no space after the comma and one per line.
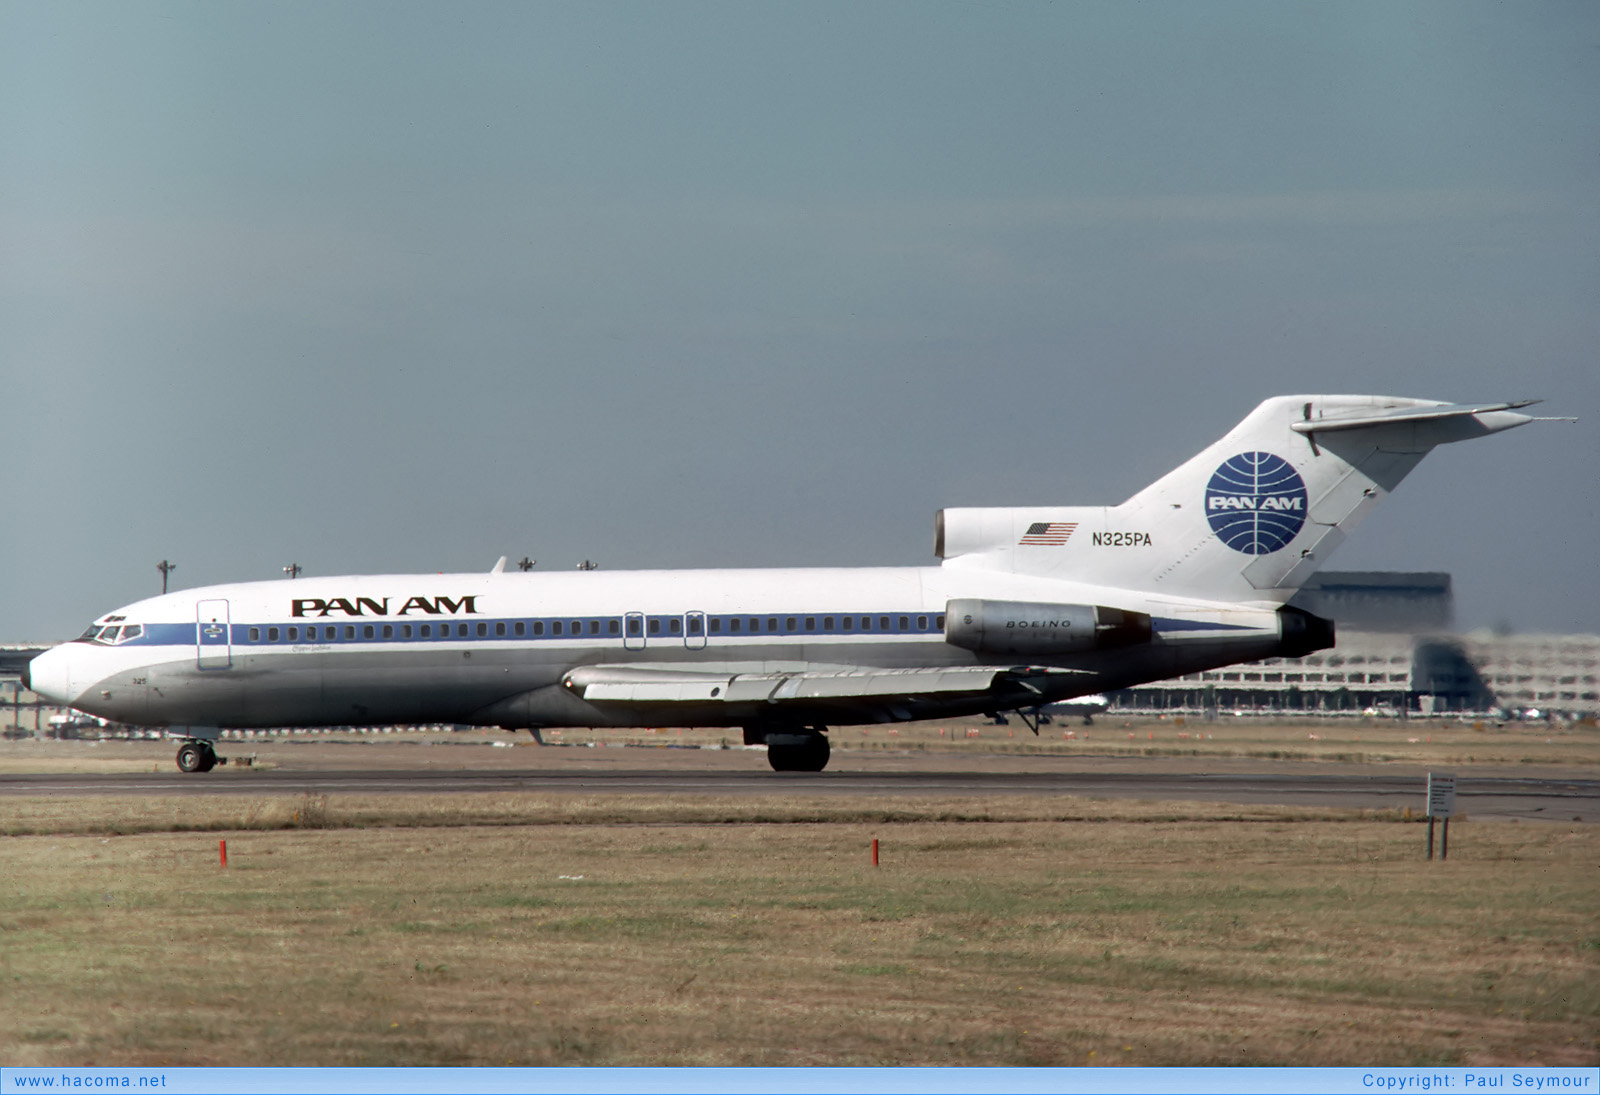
(1028,606)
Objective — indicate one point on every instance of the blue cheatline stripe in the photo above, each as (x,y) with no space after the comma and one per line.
(652,627)
(1167,623)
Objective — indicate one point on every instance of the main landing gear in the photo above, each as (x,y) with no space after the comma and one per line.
(196,756)
(792,749)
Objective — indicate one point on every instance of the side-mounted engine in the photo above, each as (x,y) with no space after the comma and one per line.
(1023,627)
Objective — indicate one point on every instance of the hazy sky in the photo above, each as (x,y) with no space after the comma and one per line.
(389,287)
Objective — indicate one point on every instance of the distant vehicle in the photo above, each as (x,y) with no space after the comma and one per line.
(1029,607)
(73,724)
(1085,707)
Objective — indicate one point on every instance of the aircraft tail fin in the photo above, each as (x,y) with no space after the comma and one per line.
(1247,519)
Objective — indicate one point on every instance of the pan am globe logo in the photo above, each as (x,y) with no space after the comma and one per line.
(1256,503)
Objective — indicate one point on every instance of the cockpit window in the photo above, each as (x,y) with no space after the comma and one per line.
(113,635)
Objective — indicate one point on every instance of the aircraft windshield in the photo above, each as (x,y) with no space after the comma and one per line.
(112,635)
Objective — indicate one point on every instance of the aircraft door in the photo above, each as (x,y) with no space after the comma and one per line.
(633,631)
(694,630)
(213,648)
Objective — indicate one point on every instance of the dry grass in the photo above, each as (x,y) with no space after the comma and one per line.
(1431,742)
(1151,935)
(122,816)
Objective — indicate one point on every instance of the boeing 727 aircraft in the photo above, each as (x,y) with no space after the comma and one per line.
(1028,606)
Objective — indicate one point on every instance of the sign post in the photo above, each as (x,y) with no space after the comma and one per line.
(1441,804)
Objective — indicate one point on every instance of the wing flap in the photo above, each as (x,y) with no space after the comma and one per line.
(644,684)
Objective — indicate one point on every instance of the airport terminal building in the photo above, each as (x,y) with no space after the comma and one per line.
(1395,653)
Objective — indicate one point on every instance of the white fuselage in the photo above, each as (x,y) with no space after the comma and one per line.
(458,648)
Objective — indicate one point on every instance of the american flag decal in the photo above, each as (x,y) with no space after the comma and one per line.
(1048,532)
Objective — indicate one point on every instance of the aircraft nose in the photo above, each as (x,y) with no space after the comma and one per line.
(48,676)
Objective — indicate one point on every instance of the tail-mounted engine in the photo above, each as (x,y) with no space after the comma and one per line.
(1023,627)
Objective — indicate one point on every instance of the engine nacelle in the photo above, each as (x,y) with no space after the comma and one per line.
(1026,627)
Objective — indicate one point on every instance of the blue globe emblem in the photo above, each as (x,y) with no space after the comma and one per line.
(1256,503)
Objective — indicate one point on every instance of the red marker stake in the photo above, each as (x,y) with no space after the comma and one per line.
(222,848)
(874,851)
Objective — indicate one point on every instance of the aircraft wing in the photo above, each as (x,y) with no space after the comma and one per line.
(603,684)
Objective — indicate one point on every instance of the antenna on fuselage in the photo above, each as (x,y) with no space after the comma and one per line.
(499,566)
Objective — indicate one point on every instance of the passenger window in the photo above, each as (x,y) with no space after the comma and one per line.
(847,621)
(461,630)
(675,626)
(388,631)
(694,625)
(633,625)
(538,627)
(426,631)
(483,629)
(614,627)
(866,623)
(367,631)
(294,634)
(811,623)
(405,631)
(520,628)
(655,626)
(557,627)
(255,634)
(594,627)
(577,627)
(827,623)
(922,623)
(716,625)
(938,622)
(772,623)
(905,623)
(500,628)
(349,631)
(733,624)
(791,624)
(272,634)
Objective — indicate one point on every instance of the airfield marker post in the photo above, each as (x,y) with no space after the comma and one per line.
(222,850)
(1441,804)
(874,851)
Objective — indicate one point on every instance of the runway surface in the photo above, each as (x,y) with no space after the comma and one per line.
(1478,797)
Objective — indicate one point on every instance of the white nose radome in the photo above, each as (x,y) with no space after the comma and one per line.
(50,675)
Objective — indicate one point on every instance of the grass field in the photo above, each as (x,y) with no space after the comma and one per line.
(654,932)
(1573,747)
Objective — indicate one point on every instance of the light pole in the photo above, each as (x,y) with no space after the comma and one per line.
(293,570)
(165,568)
(587,565)
(526,564)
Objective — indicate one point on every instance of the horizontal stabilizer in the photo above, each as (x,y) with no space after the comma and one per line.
(1369,417)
